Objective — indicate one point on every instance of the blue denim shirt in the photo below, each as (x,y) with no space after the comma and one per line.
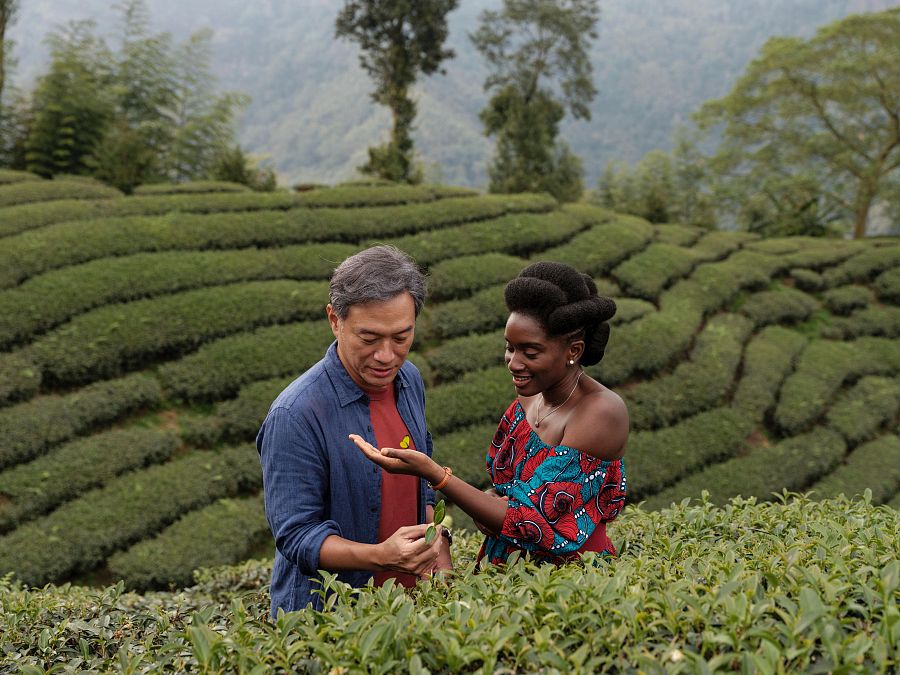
(317,482)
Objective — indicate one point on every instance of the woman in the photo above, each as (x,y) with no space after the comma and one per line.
(556,459)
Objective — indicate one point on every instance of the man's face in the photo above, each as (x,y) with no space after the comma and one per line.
(374,339)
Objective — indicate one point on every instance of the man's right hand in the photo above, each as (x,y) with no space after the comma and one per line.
(406,550)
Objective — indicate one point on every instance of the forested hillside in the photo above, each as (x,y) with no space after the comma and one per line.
(655,62)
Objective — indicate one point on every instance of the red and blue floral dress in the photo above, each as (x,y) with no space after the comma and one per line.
(560,498)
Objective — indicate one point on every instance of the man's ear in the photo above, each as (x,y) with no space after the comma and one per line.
(333,320)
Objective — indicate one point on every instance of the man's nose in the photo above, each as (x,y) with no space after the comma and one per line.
(384,353)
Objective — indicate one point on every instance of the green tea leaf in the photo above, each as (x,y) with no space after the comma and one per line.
(430,534)
(440,510)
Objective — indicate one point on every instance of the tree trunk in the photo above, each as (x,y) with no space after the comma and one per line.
(863,205)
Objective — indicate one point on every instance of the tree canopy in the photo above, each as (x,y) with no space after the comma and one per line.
(399,39)
(537,56)
(810,134)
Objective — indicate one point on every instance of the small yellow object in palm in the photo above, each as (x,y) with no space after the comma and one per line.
(405,442)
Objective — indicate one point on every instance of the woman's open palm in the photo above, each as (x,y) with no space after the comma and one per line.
(392,460)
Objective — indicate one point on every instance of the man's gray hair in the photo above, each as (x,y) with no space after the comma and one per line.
(375,275)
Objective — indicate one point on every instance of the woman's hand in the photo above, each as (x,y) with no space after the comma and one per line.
(399,460)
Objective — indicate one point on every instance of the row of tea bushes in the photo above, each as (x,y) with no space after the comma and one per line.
(10,176)
(647,273)
(697,384)
(768,588)
(864,408)
(768,359)
(873,466)
(460,277)
(484,311)
(476,397)
(878,320)
(785,305)
(844,299)
(52,298)
(69,243)
(26,192)
(107,341)
(887,285)
(863,266)
(230,528)
(191,187)
(30,429)
(824,366)
(677,235)
(793,464)
(80,534)
(66,472)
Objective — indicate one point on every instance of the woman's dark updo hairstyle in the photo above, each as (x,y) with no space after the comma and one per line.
(563,301)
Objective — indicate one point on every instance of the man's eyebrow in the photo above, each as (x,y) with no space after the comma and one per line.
(369,331)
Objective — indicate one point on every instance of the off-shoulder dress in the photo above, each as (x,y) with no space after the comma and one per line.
(560,498)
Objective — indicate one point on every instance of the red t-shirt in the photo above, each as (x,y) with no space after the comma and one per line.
(399,493)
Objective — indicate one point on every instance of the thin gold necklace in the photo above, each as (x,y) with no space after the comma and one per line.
(554,409)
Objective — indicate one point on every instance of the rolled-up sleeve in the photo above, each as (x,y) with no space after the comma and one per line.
(295,482)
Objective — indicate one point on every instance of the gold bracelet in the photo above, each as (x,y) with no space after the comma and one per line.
(446,479)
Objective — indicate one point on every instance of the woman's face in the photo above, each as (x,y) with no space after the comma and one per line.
(537,361)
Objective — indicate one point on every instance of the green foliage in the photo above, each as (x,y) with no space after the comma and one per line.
(476,397)
(233,166)
(191,187)
(465,450)
(31,489)
(31,428)
(887,285)
(530,46)
(83,532)
(845,299)
(757,613)
(794,157)
(49,299)
(219,368)
(786,305)
(676,235)
(630,309)
(797,461)
(230,528)
(457,356)
(460,277)
(484,311)
(108,340)
(399,40)
(20,378)
(9,176)
(822,369)
(807,280)
(697,384)
(768,359)
(863,409)
(876,320)
(25,192)
(863,266)
(650,271)
(873,466)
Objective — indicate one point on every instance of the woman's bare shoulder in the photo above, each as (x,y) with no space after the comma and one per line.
(600,425)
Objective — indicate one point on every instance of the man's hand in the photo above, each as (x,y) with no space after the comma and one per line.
(406,551)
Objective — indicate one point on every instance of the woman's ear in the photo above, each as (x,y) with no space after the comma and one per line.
(575,351)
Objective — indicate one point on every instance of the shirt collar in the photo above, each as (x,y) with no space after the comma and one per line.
(346,389)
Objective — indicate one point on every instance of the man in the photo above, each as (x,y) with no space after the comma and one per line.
(328,506)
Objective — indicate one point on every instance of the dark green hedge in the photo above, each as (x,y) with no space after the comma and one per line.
(878,320)
(82,533)
(780,245)
(27,192)
(677,235)
(64,473)
(484,311)
(47,300)
(630,309)
(822,369)
(458,356)
(864,266)
(476,397)
(818,254)
(648,272)
(116,338)
(29,429)
(845,299)
(786,305)
(460,277)
(807,280)
(873,466)
(193,187)
(655,459)
(604,246)
(70,243)
(718,244)
(696,385)
(862,410)
(465,450)
(887,285)
(768,359)
(218,369)
(20,377)
(222,533)
(793,464)
(8,177)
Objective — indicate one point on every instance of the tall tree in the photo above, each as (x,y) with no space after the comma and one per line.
(810,134)
(399,40)
(8,10)
(537,54)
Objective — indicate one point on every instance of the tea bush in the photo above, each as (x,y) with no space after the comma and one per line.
(25,192)
(464,450)
(807,280)
(887,285)
(461,355)
(460,277)
(863,266)
(484,311)
(786,305)
(864,408)
(821,253)
(229,527)
(647,273)
(677,235)
(9,176)
(768,359)
(475,397)
(602,247)
(873,466)
(64,473)
(29,429)
(877,320)
(845,299)
(82,533)
(20,377)
(774,587)
(192,187)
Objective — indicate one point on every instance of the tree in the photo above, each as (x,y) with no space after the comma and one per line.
(399,40)
(810,134)
(537,55)
(8,10)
